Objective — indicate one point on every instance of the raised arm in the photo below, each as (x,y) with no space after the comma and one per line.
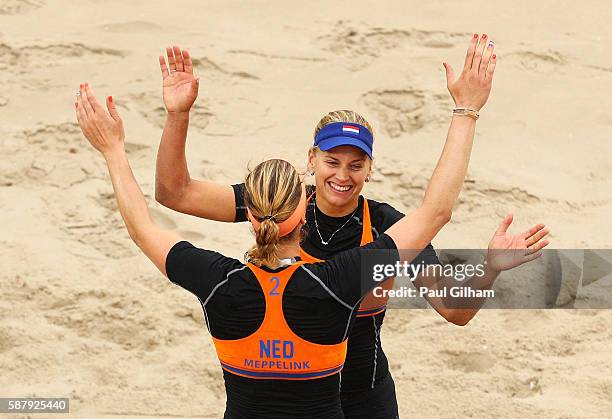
(174,187)
(469,91)
(505,252)
(104,130)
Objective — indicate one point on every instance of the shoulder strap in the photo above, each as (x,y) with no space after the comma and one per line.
(366,233)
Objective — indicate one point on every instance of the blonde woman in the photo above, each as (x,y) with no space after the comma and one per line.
(338,218)
(279,325)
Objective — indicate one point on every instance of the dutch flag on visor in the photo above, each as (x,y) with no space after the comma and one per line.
(351,129)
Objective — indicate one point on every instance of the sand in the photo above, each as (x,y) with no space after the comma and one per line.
(84,315)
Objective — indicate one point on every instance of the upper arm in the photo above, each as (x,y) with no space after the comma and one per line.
(204,199)
(415,231)
(156,243)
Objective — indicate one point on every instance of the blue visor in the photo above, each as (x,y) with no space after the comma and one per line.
(343,133)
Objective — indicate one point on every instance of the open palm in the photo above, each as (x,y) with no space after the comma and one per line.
(473,86)
(507,251)
(180,86)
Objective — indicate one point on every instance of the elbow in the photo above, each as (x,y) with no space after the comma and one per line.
(445,216)
(438,215)
(459,319)
(160,197)
(165,196)
(459,322)
(134,236)
(441,217)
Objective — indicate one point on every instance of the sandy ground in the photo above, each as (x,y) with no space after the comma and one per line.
(84,315)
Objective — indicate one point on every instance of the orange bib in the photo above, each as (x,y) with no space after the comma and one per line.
(371,305)
(274,351)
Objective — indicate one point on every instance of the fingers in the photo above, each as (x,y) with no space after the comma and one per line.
(450,74)
(112,109)
(531,257)
(503,227)
(470,53)
(533,230)
(486,58)
(163,67)
(491,68)
(478,53)
(79,101)
(80,113)
(82,117)
(539,246)
(171,61)
(178,58)
(187,62)
(536,237)
(89,111)
(92,99)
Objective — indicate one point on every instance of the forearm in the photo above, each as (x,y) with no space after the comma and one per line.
(449,174)
(457,310)
(130,199)
(171,173)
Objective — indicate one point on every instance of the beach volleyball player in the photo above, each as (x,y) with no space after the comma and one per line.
(338,217)
(279,325)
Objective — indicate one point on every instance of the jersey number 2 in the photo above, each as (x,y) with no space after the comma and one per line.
(276,281)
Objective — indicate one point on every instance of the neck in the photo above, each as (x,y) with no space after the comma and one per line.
(289,250)
(335,211)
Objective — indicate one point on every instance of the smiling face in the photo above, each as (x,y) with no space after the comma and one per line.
(339,176)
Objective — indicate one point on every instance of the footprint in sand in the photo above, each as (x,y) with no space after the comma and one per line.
(56,155)
(469,361)
(102,230)
(540,62)
(52,55)
(205,66)
(105,318)
(151,107)
(359,45)
(524,388)
(8,340)
(13,7)
(399,111)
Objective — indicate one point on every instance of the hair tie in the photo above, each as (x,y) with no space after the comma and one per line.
(269,217)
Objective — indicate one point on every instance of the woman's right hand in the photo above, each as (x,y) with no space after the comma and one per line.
(180,86)
(472,88)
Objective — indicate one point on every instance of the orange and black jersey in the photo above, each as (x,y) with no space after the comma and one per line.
(366,363)
(318,305)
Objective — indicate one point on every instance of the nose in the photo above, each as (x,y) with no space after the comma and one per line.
(342,174)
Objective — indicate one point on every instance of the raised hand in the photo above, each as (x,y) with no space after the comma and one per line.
(180,86)
(473,86)
(508,251)
(103,128)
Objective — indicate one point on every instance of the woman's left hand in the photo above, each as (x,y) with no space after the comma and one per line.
(103,129)
(473,86)
(507,251)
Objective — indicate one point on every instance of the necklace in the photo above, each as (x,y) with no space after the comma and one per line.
(325,243)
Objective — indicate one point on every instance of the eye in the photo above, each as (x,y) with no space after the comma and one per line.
(332,163)
(356,167)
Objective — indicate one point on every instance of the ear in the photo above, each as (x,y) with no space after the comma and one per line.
(312,155)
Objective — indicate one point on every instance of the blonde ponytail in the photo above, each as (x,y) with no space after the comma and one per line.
(272,193)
